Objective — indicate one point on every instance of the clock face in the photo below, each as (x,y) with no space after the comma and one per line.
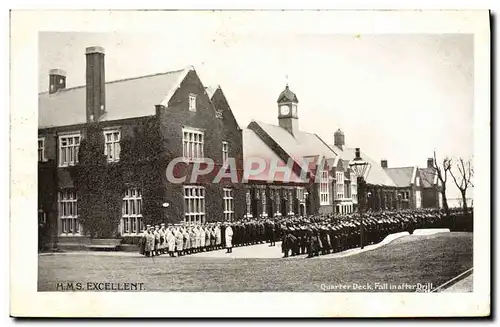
(285,110)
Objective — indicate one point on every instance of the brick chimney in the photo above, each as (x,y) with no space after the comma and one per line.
(57,80)
(430,162)
(383,163)
(96,87)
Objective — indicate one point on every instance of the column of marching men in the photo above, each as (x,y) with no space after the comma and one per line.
(311,235)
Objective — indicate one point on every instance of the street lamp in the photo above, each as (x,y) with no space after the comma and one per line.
(359,166)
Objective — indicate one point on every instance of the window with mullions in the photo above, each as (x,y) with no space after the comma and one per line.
(193,142)
(68,149)
(68,212)
(112,145)
(194,204)
(324,188)
(228,204)
(132,223)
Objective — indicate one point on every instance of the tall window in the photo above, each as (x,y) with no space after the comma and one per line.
(418,199)
(194,204)
(354,192)
(249,203)
(324,188)
(225,152)
(277,203)
(41,149)
(192,102)
(290,201)
(417,181)
(263,202)
(68,212)
(347,190)
(228,204)
(42,216)
(68,149)
(132,212)
(112,145)
(301,194)
(192,141)
(340,185)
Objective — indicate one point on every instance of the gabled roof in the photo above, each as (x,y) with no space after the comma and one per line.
(126,98)
(254,148)
(299,145)
(428,177)
(375,174)
(211,90)
(402,176)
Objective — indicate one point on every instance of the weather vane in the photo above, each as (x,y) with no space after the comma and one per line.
(286,79)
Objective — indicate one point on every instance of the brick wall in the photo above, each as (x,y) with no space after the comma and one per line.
(172,120)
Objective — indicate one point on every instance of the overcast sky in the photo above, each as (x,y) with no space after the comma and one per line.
(395,96)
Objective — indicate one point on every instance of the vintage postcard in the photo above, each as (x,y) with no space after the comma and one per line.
(250,163)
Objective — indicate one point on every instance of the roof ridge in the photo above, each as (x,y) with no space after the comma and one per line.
(401,167)
(120,80)
(301,131)
(331,149)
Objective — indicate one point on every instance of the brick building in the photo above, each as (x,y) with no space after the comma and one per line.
(195,122)
(311,179)
(394,188)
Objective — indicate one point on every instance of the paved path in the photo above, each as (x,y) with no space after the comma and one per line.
(262,251)
(252,251)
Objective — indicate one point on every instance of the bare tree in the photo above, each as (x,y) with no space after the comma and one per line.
(441,171)
(464,179)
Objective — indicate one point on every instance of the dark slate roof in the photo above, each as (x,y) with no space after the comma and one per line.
(402,176)
(255,147)
(428,177)
(287,96)
(300,144)
(375,174)
(126,98)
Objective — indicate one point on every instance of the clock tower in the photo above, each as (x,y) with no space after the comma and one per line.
(287,111)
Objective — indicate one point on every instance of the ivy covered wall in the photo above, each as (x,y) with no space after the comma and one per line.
(101,185)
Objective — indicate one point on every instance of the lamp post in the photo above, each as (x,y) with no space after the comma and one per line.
(359,166)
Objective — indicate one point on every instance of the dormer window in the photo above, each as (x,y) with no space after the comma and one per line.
(192,102)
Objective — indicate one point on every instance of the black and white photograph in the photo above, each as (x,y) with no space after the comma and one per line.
(213,155)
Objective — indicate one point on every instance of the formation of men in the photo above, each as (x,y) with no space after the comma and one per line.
(311,235)
(181,239)
(329,234)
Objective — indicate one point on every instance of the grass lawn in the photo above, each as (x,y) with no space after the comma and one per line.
(410,260)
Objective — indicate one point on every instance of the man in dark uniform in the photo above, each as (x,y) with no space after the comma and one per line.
(312,242)
(223,235)
(236,234)
(272,233)
(325,247)
(302,240)
(262,230)
(294,246)
(285,241)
